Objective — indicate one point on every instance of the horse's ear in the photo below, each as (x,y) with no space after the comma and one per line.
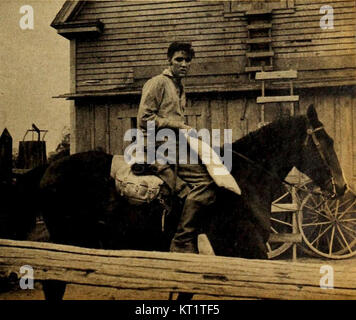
(312,114)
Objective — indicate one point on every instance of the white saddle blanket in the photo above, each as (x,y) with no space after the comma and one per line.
(215,167)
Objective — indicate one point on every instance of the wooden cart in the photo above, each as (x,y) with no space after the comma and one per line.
(321,227)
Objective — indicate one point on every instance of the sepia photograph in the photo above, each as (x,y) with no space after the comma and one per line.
(177,151)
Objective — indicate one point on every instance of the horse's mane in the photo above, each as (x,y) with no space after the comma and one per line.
(269,139)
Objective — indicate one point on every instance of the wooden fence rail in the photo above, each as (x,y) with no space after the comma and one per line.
(222,277)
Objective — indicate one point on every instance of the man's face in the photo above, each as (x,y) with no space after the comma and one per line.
(179,64)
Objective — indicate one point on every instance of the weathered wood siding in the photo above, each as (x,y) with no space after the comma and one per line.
(101,123)
(136,35)
(133,47)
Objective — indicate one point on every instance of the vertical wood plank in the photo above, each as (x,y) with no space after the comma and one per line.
(192,121)
(115,129)
(353,124)
(217,107)
(235,108)
(346,134)
(327,112)
(72,103)
(83,132)
(338,137)
(100,126)
(274,111)
(352,179)
(252,114)
(204,121)
(126,125)
(107,129)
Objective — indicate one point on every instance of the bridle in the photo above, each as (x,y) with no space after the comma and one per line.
(310,133)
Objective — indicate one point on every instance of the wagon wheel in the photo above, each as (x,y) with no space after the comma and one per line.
(328,227)
(281,222)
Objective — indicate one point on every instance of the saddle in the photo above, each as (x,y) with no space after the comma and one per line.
(139,185)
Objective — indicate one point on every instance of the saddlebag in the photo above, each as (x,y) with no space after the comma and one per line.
(138,189)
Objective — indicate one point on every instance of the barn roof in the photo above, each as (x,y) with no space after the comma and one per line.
(68,11)
(65,23)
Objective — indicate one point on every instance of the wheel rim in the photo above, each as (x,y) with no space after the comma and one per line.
(328,227)
(281,222)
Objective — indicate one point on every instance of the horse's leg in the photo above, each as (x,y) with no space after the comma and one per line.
(53,289)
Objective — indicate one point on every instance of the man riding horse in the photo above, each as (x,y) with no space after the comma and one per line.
(163,101)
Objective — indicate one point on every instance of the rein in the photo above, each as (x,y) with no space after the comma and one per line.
(272,174)
(310,133)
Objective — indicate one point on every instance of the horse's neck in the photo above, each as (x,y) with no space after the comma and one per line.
(275,149)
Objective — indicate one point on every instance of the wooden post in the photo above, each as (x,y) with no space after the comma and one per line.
(5,157)
(294,224)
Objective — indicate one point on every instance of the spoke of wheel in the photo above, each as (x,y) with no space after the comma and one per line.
(347,233)
(317,205)
(315,220)
(337,207)
(344,203)
(331,240)
(332,203)
(348,220)
(321,230)
(347,228)
(351,221)
(269,247)
(281,197)
(316,224)
(340,242)
(340,205)
(343,238)
(329,210)
(317,212)
(282,222)
(321,234)
(346,210)
(274,230)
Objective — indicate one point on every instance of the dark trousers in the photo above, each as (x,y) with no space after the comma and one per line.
(201,195)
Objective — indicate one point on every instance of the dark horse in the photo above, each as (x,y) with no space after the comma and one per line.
(80,205)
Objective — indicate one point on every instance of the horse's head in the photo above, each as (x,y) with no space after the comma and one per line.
(318,159)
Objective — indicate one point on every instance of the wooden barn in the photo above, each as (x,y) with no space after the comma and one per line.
(118,45)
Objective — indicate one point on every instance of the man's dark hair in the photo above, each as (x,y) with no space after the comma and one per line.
(180,46)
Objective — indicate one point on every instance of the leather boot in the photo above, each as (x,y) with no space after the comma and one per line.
(185,238)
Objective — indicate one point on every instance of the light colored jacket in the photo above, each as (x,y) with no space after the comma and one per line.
(163,100)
